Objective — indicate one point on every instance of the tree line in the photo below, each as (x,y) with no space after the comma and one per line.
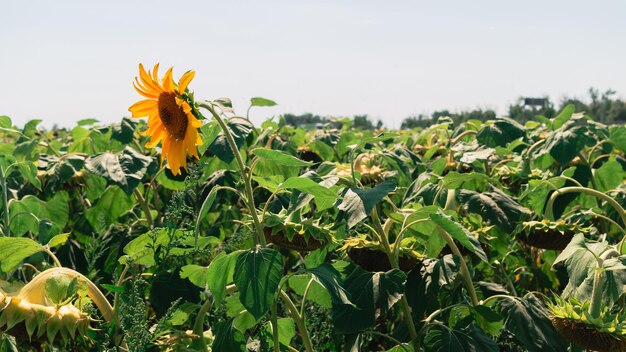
(605,107)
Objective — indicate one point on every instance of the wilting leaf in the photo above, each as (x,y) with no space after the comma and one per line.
(357,204)
(125,170)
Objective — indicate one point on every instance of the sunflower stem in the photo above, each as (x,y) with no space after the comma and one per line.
(467,277)
(382,232)
(5,203)
(300,324)
(144,207)
(260,237)
(198,326)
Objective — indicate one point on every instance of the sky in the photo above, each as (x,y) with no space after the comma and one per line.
(62,61)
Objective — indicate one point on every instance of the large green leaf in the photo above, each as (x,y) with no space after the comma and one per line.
(565,143)
(125,170)
(228,338)
(501,132)
(113,203)
(372,294)
(240,129)
(497,207)
(324,197)
(327,276)
(317,293)
(470,339)
(609,175)
(141,250)
(357,203)
(62,170)
(617,136)
(13,250)
(579,258)
(279,157)
(459,233)
(528,320)
(27,213)
(220,273)
(257,275)
(563,116)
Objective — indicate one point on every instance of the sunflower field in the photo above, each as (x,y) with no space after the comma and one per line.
(187,228)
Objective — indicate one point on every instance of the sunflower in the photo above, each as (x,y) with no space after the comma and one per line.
(170,119)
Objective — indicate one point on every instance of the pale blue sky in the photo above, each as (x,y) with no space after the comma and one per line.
(62,61)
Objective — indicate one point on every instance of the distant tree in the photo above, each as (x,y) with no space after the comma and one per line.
(362,122)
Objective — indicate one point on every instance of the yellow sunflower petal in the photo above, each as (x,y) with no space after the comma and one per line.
(168,81)
(143,107)
(156,137)
(165,147)
(173,157)
(183,82)
(147,81)
(143,91)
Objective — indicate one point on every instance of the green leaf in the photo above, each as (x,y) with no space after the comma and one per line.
(565,143)
(357,204)
(617,135)
(286,330)
(528,320)
(497,207)
(459,233)
(63,170)
(490,321)
(327,276)
(196,274)
(28,212)
(324,198)
(258,101)
(372,294)
(609,175)
(13,250)
(228,338)
(317,293)
(58,240)
(500,133)
(478,155)
(113,203)
(220,273)
(257,275)
(57,288)
(29,171)
(5,122)
(279,157)
(141,250)
(240,129)
(468,339)
(125,170)
(563,116)
(579,258)
(113,288)
(123,131)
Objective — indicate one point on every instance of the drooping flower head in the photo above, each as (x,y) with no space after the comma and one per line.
(170,118)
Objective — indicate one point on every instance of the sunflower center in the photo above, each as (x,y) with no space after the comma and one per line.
(172,115)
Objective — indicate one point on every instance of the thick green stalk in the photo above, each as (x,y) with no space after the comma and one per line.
(260,237)
(274,321)
(596,294)
(144,207)
(198,326)
(467,277)
(393,260)
(293,312)
(5,203)
(549,211)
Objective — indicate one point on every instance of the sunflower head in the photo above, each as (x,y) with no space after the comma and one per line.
(171,121)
